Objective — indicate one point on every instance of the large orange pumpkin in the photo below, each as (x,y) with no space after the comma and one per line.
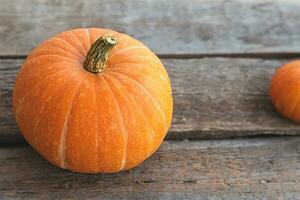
(285,90)
(93,100)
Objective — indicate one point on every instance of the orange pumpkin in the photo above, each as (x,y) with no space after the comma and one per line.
(285,90)
(93,100)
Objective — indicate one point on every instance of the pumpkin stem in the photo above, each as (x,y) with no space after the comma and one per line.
(97,55)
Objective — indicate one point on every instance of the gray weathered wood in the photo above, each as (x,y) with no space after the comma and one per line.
(9,132)
(213,98)
(167,27)
(264,168)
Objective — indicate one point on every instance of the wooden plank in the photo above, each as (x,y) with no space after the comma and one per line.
(261,168)
(9,132)
(213,98)
(168,27)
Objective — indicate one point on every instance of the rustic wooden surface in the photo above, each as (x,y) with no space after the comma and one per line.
(213,97)
(265,168)
(220,56)
(168,27)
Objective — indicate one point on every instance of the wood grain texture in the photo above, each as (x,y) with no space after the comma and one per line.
(9,132)
(168,27)
(265,168)
(213,97)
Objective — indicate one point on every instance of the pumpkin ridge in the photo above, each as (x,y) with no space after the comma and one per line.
(141,112)
(125,133)
(124,50)
(141,65)
(26,94)
(149,58)
(71,60)
(53,44)
(156,103)
(81,44)
(88,37)
(70,45)
(97,126)
(74,42)
(62,142)
(125,71)
(32,135)
(42,109)
(143,57)
(121,70)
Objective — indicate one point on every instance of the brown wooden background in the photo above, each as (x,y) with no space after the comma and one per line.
(226,141)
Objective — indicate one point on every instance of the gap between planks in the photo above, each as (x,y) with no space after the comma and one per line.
(18,140)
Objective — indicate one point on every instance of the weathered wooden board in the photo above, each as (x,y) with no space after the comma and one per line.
(265,168)
(213,98)
(168,27)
